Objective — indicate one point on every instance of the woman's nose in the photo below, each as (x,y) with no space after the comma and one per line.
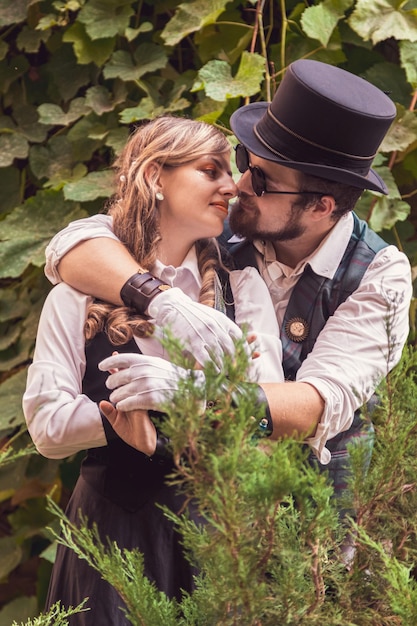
(229,187)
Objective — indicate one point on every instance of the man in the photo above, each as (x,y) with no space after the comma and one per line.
(340,293)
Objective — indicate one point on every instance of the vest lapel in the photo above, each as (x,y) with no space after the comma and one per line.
(301,306)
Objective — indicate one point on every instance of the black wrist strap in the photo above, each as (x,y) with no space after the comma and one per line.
(265,424)
(139,291)
(163,450)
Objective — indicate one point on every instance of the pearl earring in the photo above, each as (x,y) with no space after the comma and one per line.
(159,196)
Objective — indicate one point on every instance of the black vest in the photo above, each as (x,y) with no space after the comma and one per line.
(315,298)
(117,471)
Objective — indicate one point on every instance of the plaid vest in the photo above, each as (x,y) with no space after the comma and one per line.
(314,299)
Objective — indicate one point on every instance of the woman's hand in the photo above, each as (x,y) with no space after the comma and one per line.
(134,427)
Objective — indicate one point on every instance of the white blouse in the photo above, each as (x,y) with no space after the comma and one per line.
(60,418)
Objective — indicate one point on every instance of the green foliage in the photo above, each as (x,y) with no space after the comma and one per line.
(77,75)
(271,549)
(57,616)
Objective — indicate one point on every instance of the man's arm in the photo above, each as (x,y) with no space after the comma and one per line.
(92,260)
(98,266)
(296,408)
(146,382)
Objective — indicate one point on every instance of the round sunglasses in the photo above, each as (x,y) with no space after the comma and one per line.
(258,176)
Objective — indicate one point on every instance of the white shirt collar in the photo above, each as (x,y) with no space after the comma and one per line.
(326,259)
(186,276)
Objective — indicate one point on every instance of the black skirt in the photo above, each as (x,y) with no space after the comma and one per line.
(146,529)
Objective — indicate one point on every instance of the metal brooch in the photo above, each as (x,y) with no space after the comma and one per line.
(296,329)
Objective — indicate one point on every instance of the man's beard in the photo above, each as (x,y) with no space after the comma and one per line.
(244,222)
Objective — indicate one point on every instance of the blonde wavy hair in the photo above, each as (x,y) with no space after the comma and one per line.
(165,141)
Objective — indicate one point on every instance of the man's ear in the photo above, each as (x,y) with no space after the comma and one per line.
(323,208)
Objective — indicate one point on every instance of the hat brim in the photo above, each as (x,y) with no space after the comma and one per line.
(243,122)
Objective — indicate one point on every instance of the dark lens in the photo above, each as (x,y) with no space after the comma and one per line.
(242,158)
(258,180)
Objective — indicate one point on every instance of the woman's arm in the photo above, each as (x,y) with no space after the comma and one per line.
(60,418)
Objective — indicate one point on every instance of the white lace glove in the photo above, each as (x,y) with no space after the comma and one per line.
(206,333)
(146,382)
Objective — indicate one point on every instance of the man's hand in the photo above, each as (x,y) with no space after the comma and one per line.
(134,427)
(146,382)
(206,333)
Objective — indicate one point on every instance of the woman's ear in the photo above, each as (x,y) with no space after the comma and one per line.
(151,175)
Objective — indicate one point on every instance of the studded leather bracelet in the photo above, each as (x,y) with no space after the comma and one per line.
(139,291)
(265,424)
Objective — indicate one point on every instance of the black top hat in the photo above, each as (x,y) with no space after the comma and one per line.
(323,121)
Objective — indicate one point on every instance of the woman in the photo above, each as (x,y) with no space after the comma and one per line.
(173,187)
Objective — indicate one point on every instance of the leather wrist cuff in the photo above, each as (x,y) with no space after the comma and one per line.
(139,291)
(265,424)
(163,452)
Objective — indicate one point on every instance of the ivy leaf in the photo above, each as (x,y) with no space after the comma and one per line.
(12,146)
(208,110)
(83,145)
(29,40)
(402,134)
(4,48)
(146,110)
(190,17)
(99,99)
(148,58)
(105,18)
(94,185)
(53,114)
(66,74)
(218,83)
(387,212)
(379,20)
(132,33)
(11,392)
(319,21)
(53,162)
(11,555)
(9,188)
(11,307)
(13,12)
(28,229)
(8,338)
(17,611)
(86,50)
(12,71)
(116,138)
(408,56)
(26,117)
